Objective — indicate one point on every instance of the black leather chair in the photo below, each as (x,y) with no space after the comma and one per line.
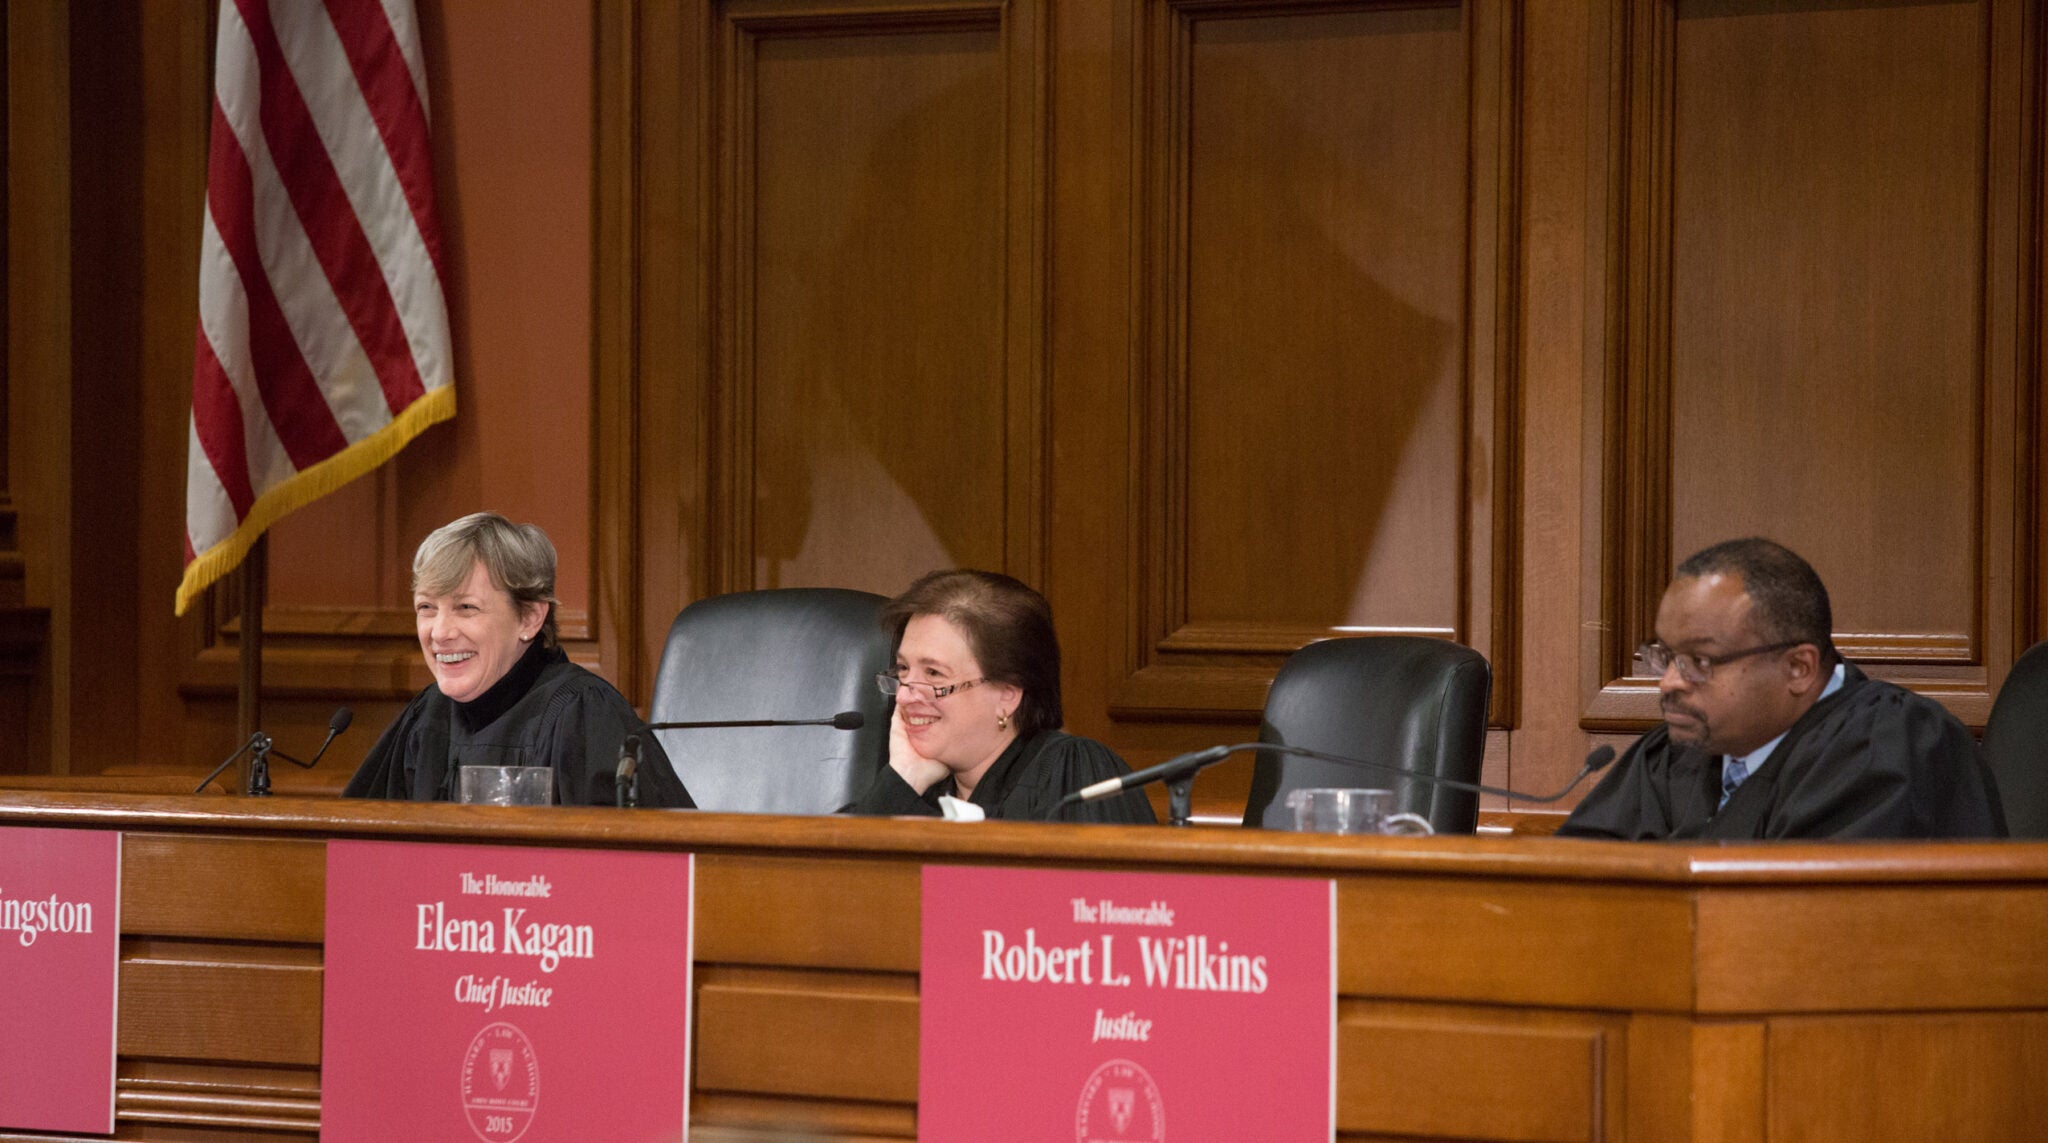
(1405,700)
(788,653)
(2016,744)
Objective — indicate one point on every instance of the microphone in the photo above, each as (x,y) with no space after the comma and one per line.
(1186,765)
(844,720)
(626,782)
(260,752)
(335,725)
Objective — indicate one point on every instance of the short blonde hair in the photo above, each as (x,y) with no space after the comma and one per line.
(519,558)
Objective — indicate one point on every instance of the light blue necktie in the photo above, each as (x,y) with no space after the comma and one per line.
(1732,774)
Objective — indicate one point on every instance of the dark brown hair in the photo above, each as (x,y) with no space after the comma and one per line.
(1008,627)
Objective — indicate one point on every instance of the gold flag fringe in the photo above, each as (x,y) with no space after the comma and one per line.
(310,485)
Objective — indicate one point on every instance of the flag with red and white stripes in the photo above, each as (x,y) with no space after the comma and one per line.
(323,332)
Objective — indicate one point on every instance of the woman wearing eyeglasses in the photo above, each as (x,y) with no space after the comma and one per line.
(977,688)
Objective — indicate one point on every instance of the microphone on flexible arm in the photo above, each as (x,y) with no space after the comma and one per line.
(260,752)
(844,720)
(1180,772)
(626,782)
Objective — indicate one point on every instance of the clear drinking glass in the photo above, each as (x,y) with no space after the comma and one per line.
(506,785)
(1325,809)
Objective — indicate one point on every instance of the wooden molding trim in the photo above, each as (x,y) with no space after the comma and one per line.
(1256,638)
(617,598)
(1634,557)
(766,17)
(1178,669)
(13,569)
(343,653)
(290,622)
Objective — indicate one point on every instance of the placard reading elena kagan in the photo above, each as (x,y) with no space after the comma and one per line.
(488,991)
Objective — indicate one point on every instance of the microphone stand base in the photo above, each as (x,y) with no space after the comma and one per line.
(1180,800)
(259,767)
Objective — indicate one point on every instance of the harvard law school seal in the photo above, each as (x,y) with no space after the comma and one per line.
(1120,1103)
(500,1083)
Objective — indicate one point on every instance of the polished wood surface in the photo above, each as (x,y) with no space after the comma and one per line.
(1320,202)
(870,166)
(1816,332)
(1229,324)
(1489,988)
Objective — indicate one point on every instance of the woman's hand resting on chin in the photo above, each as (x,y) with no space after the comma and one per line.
(920,772)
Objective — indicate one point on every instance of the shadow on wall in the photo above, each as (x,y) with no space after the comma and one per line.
(1325,294)
(879,311)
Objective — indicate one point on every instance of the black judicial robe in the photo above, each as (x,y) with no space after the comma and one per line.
(1871,760)
(546,711)
(1025,783)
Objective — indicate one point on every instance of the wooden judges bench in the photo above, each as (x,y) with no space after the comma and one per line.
(1491,988)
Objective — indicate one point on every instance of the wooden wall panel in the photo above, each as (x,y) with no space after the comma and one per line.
(1229,323)
(868,369)
(204,1001)
(876,399)
(177,65)
(1929,1077)
(24,630)
(1830,172)
(39,343)
(1318,432)
(1820,330)
(106,104)
(862,1030)
(1325,297)
(1537,1076)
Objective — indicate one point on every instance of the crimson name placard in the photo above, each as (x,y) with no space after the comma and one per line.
(60,948)
(1125,1007)
(510,995)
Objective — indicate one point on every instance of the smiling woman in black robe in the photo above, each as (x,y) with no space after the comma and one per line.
(504,692)
(977,688)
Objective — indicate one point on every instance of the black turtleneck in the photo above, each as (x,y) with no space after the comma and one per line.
(487,707)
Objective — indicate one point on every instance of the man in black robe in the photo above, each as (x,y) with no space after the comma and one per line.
(1769,733)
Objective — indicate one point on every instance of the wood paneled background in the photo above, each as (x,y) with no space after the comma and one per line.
(1230,324)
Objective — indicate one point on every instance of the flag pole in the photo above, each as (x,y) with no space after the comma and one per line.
(255,582)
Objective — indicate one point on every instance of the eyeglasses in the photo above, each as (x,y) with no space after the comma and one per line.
(1696,668)
(929,692)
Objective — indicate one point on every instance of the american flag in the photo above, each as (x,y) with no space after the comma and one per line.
(323,332)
